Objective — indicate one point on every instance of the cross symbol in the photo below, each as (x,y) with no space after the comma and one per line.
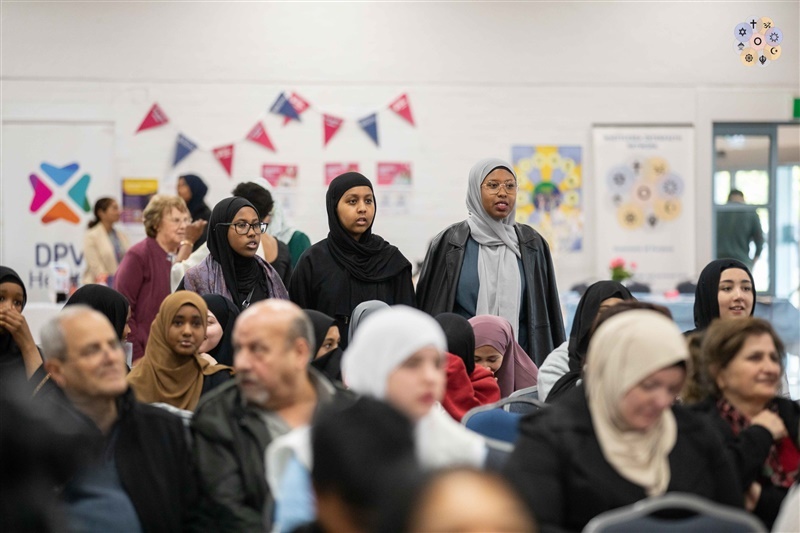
(753,23)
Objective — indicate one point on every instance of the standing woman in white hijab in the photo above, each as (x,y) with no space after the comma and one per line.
(621,439)
(490,265)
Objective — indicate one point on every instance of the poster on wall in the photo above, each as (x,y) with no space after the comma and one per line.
(280,175)
(136,193)
(644,202)
(550,194)
(52,176)
(394,188)
(394,174)
(337,169)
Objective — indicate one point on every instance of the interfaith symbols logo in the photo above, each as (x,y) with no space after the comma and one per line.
(645,193)
(59,178)
(758,41)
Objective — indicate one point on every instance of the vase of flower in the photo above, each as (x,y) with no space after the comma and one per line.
(620,270)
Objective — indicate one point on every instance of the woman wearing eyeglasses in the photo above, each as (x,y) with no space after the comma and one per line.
(233,269)
(353,264)
(489,265)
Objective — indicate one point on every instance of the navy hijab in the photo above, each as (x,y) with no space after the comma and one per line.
(370,259)
(196,204)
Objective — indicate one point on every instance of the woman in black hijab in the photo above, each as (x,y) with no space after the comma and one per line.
(19,356)
(725,289)
(225,313)
(552,380)
(327,357)
(193,191)
(232,269)
(352,265)
(107,301)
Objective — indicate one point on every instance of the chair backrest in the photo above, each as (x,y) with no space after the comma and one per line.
(500,420)
(675,512)
(527,392)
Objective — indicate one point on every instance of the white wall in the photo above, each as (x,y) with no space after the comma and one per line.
(481,77)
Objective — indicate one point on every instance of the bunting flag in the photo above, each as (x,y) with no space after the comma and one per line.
(183,147)
(282,106)
(155,117)
(402,107)
(298,104)
(370,126)
(259,135)
(224,155)
(332,125)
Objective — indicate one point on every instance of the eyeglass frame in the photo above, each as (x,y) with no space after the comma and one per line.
(262,227)
(503,185)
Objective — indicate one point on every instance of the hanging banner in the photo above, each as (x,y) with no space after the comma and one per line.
(259,135)
(155,117)
(280,175)
(298,104)
(393,174)
(224,155)
(644,202)
(550,193)
(183,147)
(332,170)
(331,126)
(402,107)
(282,106)
(370,126)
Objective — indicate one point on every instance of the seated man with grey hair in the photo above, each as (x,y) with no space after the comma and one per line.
(275,391)
(138,473)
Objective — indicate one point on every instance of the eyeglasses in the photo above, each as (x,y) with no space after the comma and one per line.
(243,228)
(494,187)
(178,221)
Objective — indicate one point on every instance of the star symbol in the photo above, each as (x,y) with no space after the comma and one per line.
(742,32)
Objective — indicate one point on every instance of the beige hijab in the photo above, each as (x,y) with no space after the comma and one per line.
(162,375)
(623,351)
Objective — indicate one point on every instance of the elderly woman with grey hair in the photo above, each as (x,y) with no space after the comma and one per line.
(490,265)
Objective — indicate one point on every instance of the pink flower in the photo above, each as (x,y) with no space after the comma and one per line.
(617,262)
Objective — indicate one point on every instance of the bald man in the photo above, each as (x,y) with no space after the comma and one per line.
(274,392)
(138,474)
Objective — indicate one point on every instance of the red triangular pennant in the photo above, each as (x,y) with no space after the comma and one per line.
(402,107)
(298,104)
(332,125)
(259,135)
(155,117)
(224,155)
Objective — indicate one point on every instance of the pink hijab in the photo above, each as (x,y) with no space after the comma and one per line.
(517,371)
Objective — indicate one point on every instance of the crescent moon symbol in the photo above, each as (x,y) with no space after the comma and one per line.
(772,50)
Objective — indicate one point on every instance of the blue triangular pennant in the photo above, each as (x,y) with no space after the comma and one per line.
(370,126)
(283,106)
(183,147)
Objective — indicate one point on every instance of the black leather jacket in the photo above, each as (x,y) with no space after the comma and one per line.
(438,281)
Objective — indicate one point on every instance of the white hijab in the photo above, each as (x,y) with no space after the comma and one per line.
(384,340)
(623,351)
(500,291)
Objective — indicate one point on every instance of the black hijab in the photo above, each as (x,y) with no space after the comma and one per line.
(196,204)
(106,301)
(460,338)
(370,259)
(330,364)
(225,312)
(242,274)
(12,367)
(580,334)
(706,295)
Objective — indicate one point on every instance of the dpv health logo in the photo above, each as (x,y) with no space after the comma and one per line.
(60,176)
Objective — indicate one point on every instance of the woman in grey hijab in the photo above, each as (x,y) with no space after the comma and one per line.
(362,311)
(490,265)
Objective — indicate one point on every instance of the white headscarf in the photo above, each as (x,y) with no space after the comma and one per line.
(384,340)
(500,291)
(623,351)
